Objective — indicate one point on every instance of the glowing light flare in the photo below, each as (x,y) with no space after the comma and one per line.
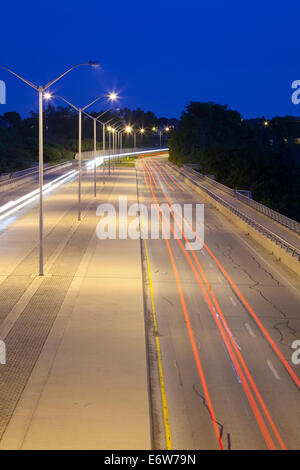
(113,96)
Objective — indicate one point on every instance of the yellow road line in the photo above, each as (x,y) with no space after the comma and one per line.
(158,350)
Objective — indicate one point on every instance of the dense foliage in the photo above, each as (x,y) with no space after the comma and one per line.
(261,156)
(19,137)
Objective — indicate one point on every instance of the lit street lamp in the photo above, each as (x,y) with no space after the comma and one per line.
(160,132)
(128,130)
(112,97)
(41,90)
(80,111)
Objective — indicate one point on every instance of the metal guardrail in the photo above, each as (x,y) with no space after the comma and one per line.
(266,232)
(33,171)
(221,186)
(280,218)
(16,174)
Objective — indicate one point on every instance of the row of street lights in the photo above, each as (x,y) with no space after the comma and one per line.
(112,97)
(115,129)
(42,92)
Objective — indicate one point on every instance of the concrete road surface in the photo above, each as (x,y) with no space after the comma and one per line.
(76,372)
(225,384)
(132,344)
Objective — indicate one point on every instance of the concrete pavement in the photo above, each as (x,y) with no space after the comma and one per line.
(274,294)
(76,372)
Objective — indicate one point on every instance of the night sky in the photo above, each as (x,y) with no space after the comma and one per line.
(158,55)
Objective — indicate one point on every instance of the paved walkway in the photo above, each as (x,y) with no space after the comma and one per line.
(76,372)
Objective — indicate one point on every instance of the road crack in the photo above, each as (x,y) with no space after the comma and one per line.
(221,426)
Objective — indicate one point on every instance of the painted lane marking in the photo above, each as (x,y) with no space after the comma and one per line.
(158,348)
(250,330)
(273,369)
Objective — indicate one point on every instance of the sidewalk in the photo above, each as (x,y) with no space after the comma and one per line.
(76,372)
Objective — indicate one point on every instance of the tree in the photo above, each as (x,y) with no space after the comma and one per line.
(263,159)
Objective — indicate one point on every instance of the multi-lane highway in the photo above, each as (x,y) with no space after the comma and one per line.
(129,343)
(226,317)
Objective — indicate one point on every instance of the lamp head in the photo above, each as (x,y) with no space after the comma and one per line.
(93,63)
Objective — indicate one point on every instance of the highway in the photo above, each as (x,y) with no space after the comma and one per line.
(143,343)
(229,382)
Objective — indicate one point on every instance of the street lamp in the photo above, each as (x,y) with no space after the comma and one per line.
(112,97)
(95,119)
(41,91)
(128,130)
(119,130)
(80,111)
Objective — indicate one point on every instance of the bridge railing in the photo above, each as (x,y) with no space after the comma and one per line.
(268,233)
(280,218)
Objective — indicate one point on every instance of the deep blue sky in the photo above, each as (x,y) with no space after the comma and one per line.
(158,54)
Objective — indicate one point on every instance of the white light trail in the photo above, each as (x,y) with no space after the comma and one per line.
(23,201)
(99,160)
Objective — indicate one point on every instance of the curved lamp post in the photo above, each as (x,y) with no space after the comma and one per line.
(41,90)
(96,119)
(80,111)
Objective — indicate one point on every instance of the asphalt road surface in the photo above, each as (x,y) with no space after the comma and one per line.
(220,322)
(226,315)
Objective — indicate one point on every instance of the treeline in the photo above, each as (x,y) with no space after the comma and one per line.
(255,154)
(19,137)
